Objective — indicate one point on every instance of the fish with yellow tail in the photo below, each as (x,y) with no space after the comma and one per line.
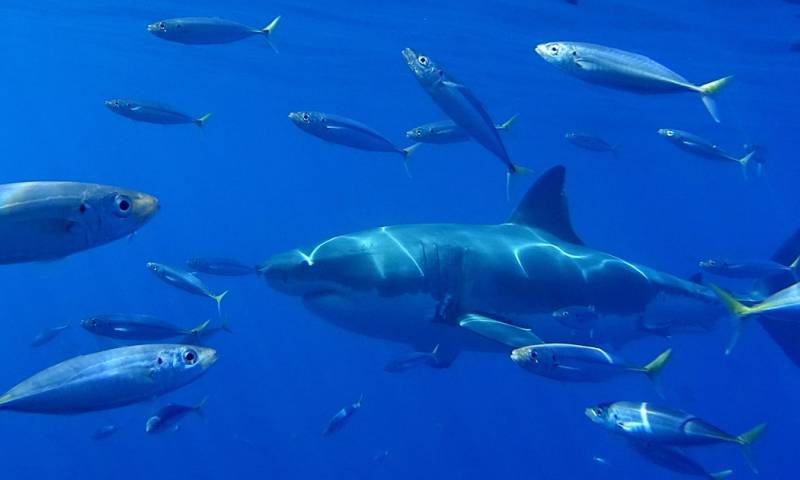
(186,281)
(623,70)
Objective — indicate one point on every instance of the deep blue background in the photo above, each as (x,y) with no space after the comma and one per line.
(250,185)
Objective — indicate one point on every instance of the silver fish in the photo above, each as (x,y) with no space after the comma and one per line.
(623,70)
(109,379)
(412,360)
(220,266)
(208,30)
(753,269)
(186,281)
(590,142)
(42,221)
(702,147)
(105,431)
(447,131)
(47,335)
(342,416)
(151,112)
(673,459)
(168,416)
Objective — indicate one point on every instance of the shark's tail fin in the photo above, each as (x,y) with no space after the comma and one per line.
(708,90)
(746,441)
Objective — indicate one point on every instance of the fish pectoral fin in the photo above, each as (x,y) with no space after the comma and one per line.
(136,108)
(627,426)
(584,64)
(498,331)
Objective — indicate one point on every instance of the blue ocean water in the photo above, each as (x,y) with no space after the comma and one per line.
(250,184)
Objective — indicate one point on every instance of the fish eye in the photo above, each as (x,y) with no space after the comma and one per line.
(162,26)
(94,322)
(190,357)
(554,49)
(82,208)
(306,117)
(422,59)
(670,133)
(418,132)
(159,360)
(598,411)
(123,205)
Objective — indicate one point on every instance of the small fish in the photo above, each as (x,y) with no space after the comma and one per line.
(663,426)
(590,142)
(703,148)
(109,379)
(347,132)
(42,221)
(186,281)
(753,269)
(150,112)
(578,317)
(601,460)
(208,30)
(783,305)
(462,106)
(580,363)
(673,459)
(412,360)
(168,416)
(46,336)
(105,431)
(342,417)
(623,70)
(447,131)
(220,266)
(133,326)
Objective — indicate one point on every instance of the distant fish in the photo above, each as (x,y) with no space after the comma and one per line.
(590,142)
(41,221)
(133,326)
(601,460)
(579,363)
(168,416)
(623,70)
(649,423)
(753,269)
(703,148)
(673,459)
(184,280)
(109,379)
(579,317)
(447,131)
(462,106)
(342,417)
(381,456)
(105,431)
(783,305)
(150,112)
(47,335)
(208,30)
(412,360)
(220,266)
(347,132)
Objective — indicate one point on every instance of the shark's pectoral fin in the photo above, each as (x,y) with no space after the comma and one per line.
(498,331)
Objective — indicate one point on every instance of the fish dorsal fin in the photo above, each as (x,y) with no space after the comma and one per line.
(545,207)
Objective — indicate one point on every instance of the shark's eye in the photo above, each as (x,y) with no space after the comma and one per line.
(423,60)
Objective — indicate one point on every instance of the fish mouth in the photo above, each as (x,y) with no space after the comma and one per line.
(209,359)
(295,116)
(146,206)
(409,55)
(410,134)
(518,355)
(541,49)
(152,28)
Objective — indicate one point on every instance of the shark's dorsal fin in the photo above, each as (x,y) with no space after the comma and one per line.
(545,206)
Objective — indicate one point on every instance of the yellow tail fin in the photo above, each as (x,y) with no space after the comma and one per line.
(269,28)
(202,120)
(508,123)
(219,298)
(733,305)
(653,368)
(711,88)
(199,329)
(721,475)
(746,441)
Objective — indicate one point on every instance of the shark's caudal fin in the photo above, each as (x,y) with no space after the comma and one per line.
(708,90)
(545,207)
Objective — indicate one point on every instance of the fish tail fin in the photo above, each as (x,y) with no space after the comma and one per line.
(406,152)
(747,439)
(745,161)
(506,126)
(721,475)
(200,328)
(739,311)
(360,400)
(708,90)
(199,407)
(200,122)
(515,171)
(218,299)
(267,32)
(795,266)
(654,368)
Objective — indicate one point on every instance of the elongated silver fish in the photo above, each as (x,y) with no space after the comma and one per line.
(151,112)
(109,379)
(348,132)
(186,281)
(105,431)
(702,147)
(590,142)
(623,70)
(579,363)
(342,416)
(168,416)
(412,360)
(220,266)
(208,30)
(51,220)
(133,326)
(447,131)
(649,423)
(753,269)
(47,335)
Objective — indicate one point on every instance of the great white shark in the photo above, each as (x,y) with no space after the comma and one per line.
(480,287)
